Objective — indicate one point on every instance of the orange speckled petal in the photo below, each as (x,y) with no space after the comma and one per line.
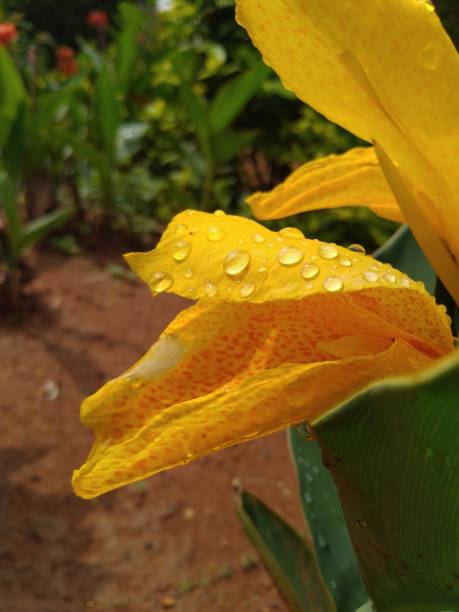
(225,372)
(224,257)
(354,178)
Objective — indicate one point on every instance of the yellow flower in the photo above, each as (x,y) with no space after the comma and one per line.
(284,328)
(387,71)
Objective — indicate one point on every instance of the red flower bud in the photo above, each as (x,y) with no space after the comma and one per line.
(8,33)
(97,20)
(66,62)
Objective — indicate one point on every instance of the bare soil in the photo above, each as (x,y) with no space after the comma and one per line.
(172,541)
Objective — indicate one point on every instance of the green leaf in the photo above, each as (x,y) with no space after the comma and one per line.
(199,114)
(39,228)
(12,94)
(234,96)
(325,518)
(127,47)
(403,252)
(9,203)
(288,557)
(107,111)
(393,451)
(227,144)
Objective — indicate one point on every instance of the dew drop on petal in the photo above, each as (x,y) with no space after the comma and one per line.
(345,262)
(210,289)
(188,273)
(290,256)
(236,262)
(328,251)
(182,250)
(262,268)
(219,213)
(371,276)
(357,248)
(333,284)
(405,282)
(389,277)
(215,234)
(247,289)
(310,271)
(291,232)
(259,238)
(161,281)
(180,228)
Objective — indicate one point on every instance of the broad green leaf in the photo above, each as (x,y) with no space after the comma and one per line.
(12,94)
(288,557)
(39,228)
(403,252)
(234,96)
(325,518)
(107,111)
(393,451)
(127,45)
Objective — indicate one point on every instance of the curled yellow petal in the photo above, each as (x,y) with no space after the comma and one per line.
(235,367)
(354,178)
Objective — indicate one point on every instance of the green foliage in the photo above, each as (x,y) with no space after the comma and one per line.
(392,451)
(324,516)
(289,558)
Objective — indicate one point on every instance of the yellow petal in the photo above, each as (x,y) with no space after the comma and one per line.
(230,369)
(414,204)
(354,178)
(384,69)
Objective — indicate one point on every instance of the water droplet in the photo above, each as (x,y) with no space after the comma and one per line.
(345,262)
(291,232)
(357,248)
(310,271)
(219,213)
(236,262)
(191,213)
(210,289)
(405,282)
(182,250)
(371,276)
(161,281)
(188,273)
(215,234)
(247,289)
(389,277)
(328,251)
(180,228)
(258,238)
(290,256)
(262,268)
(333,284)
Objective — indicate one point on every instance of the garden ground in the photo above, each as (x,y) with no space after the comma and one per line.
(171,541)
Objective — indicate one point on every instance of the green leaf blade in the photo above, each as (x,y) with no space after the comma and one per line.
(393,451)
(287,556)
(323,512)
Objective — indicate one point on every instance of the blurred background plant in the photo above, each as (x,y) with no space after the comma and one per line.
(125,114)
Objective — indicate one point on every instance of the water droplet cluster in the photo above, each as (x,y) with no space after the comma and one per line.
(260,259)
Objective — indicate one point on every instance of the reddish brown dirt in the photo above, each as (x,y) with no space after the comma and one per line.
(172,540)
